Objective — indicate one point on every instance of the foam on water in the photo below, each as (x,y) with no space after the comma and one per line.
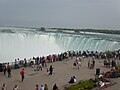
(28,42)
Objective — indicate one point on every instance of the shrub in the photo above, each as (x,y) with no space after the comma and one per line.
(117,67)
(82,85)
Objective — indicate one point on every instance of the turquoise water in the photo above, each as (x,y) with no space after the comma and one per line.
(28,42)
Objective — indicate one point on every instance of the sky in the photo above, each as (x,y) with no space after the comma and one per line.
(95,14)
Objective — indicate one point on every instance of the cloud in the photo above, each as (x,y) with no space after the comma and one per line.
(61,13)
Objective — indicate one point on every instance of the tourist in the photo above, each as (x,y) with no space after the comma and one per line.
(74,64)
(42,87)
(4,68)
(45,60)
(113,73)
(100,76)
(51,70)
(4,87)
(88,63)
(9,71)
(93,63)
(37,87)
(101,83)
(16,64)
(79,62)
(25,62)
(71,80)
(113,63)
(22,74)
(83,57)
(46,87)
(74,79)
(7,65)
(39,67)
(37,60)
(55,87)
(15,87)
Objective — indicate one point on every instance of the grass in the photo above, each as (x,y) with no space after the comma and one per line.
(82,85)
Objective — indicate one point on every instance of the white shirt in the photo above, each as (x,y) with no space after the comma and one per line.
(75,80)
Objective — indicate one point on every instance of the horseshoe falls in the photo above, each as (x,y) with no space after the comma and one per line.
(86,43)
(28,42)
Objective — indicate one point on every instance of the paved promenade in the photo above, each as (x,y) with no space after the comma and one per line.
(63,70)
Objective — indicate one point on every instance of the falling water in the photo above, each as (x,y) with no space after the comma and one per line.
(26,43)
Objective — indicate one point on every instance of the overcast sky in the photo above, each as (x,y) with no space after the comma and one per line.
(98,14)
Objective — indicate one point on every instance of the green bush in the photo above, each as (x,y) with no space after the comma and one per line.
(82,85)
(117,67)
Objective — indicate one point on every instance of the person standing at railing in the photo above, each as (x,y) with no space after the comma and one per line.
(4,68)
(25,62)
(16,64)
(9,70)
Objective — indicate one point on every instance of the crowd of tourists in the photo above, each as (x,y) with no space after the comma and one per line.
(37,87)
(45,87)
(4,87)
(39,62)
(43,60)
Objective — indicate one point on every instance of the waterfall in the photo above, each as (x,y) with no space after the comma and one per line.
(85,43)
(21,45)
(26,43)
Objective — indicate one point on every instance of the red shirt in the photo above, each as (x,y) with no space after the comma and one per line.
(22,72)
